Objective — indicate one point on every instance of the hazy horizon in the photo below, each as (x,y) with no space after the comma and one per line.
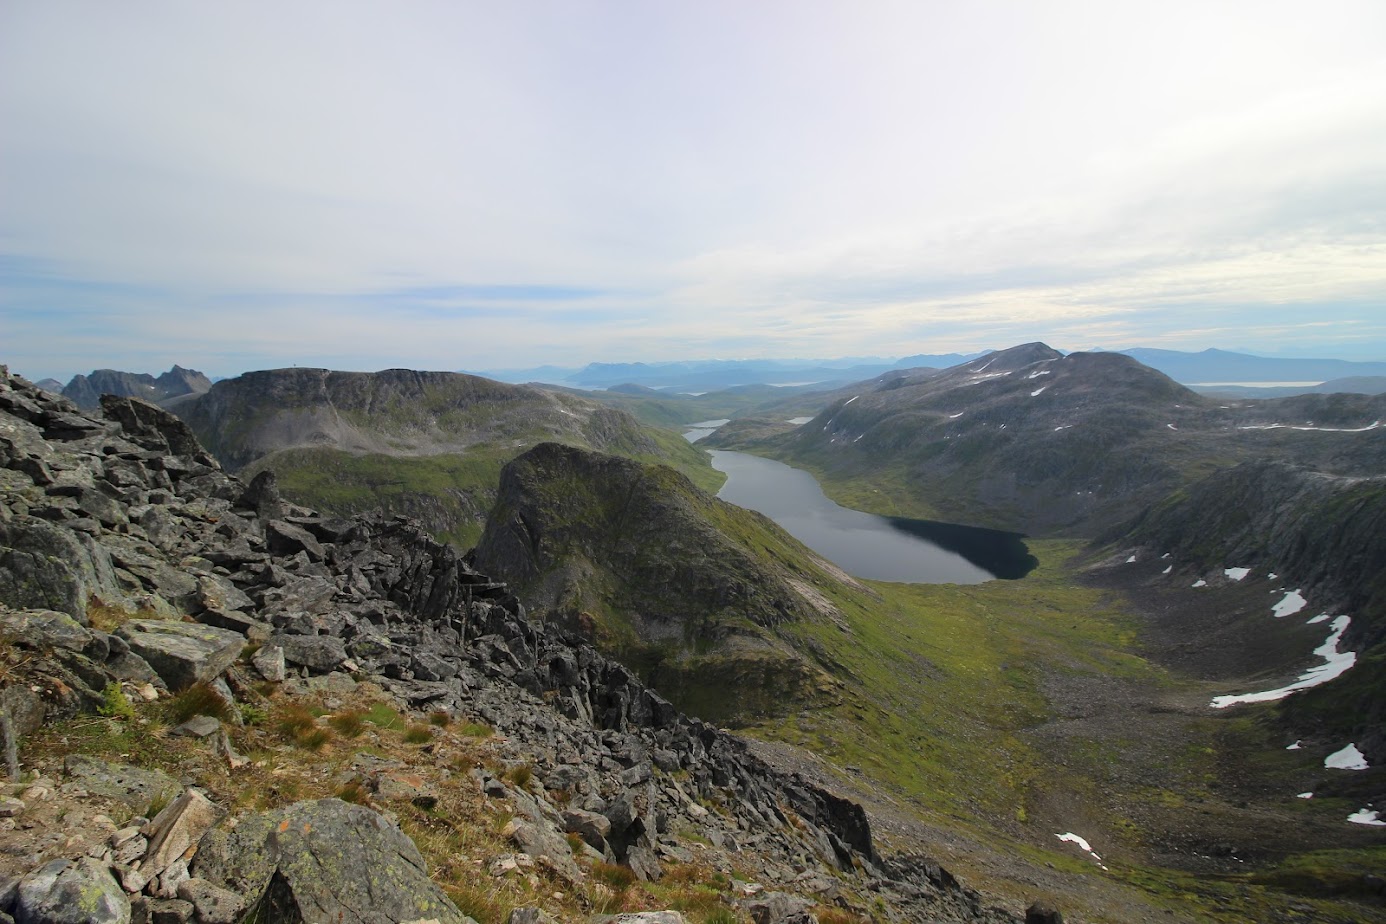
(446,185)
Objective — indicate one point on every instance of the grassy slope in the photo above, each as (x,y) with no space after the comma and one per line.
(943,710)
(450,492)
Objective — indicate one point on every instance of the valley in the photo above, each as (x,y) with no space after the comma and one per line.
(1047,735)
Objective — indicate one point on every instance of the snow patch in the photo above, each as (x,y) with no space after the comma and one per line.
(956,416)
(1366,817)
(1349,758)
(1131,559)
(1064,427)
(1036,392)
(1039,372)
(1290,604)
(1305,795)
(1236,574)
(1166,555)
(1172,426)
(1168,569)
(1322,617)
(1335,664)
(1200,583)
(850,400)
(1083,844)
(1275,426)
(1293,747)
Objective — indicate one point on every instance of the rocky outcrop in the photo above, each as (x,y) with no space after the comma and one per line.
(374,598)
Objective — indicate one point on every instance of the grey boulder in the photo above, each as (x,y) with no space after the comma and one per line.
(324,860)
(182,653)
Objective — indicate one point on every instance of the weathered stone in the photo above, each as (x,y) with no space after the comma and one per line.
(328,861)
(45,629)
(538,839)
(133,786)
(179,826)
(777,908)
(169,911)
(319,653)
(269,661)
(67,892)
(182,653)
(590,826)
(236,621)
(153,427)
(199,726)
(217,593)
(214,905)
(286,539)
(530,915)
(647,917)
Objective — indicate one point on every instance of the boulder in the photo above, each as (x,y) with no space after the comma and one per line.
(1043,913)
(64,892)
(179,826)
(212,905)
(132,786)
(318,653)
(269,661)
(286,539)
(182,653)
(324,860)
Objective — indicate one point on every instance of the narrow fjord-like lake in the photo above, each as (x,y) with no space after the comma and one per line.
(863,544)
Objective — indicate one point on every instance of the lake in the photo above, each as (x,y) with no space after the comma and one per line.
(863,544)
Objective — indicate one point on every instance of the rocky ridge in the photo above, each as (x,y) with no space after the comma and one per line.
(126,512)
(86,390)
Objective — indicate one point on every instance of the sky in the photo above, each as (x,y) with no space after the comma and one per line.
(482,185)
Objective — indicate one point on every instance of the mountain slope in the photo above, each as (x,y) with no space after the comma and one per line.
(426,444)
(1029,440)
(687,588)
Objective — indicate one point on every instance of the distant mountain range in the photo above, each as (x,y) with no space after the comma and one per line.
(1223,366)
(1208,366)
(714,374)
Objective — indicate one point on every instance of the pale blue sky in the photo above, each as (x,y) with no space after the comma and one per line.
(483,185)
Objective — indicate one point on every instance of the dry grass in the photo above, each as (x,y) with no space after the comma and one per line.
(349,723)
(198,699)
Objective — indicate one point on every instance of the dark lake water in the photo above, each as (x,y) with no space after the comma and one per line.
(863,544)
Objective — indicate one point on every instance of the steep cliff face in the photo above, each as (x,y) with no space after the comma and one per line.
(670,576)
